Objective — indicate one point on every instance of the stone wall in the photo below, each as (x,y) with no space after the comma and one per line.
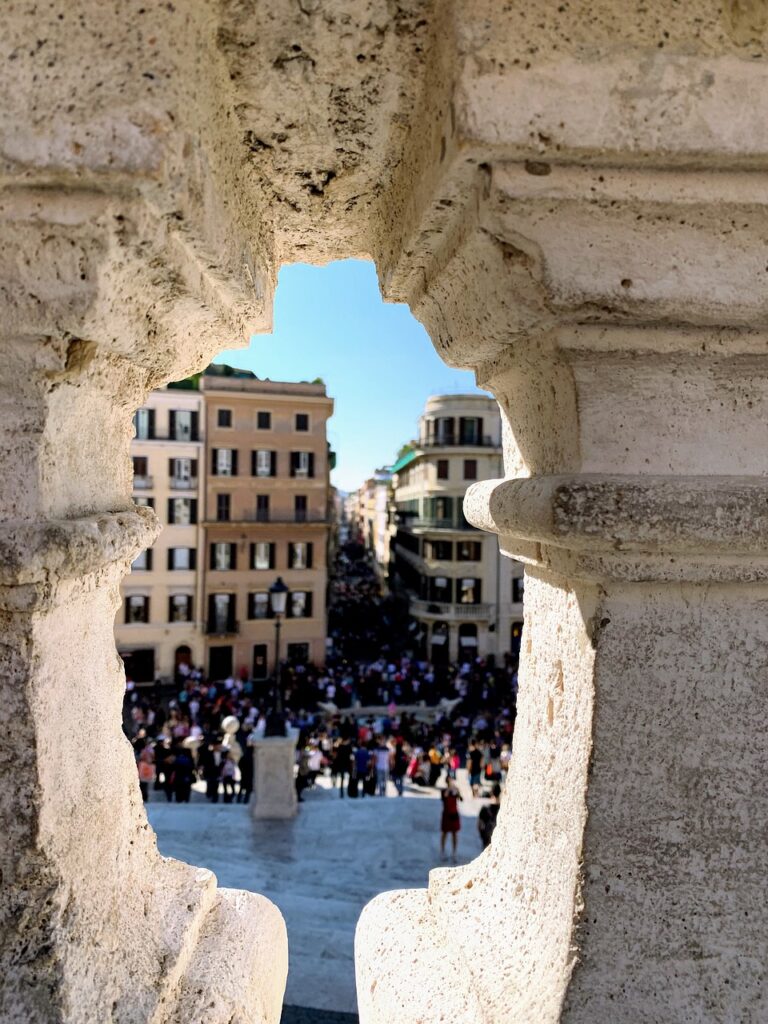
(569,196)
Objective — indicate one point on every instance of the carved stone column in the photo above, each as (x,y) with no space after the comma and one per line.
(96,926)
(615,305)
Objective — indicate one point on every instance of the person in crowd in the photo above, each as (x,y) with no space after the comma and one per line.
(450,819)
(146,766)
(340,768)
(475,767)
(362,766)
(399,765)
(382,760)
(486,819)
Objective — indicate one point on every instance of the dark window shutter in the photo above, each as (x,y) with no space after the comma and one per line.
(193,469)
(151,424)
(234,462)
(193,558)
(309,555)
(170,558)
(149,559)
(195,425)
(233,556)
(291,550)
(125,609)
(308,606)
(231,614)
(480,429)
(172,425)
(170,609)
(171,467)
(253,463)
(212,564)
(193,511)
(272,556)
(253,556)
(311,463)
(478,594)
(170,511)
(214,456)
(211,610)
(294,462)
(288,606)
(273,461)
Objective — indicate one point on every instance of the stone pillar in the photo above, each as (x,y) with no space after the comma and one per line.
(616,310)
(96,925)
(274,782)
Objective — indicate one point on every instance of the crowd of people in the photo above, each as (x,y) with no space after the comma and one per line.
(423,724)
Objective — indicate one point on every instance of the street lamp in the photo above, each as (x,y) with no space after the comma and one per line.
(278,595)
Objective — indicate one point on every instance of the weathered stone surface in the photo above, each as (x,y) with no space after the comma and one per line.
(571,200)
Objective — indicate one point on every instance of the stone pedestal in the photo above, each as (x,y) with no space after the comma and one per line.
(274,781)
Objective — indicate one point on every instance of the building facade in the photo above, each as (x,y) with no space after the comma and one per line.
(266,516)
(467,597)
(237,471)
(372,513)
(158,624)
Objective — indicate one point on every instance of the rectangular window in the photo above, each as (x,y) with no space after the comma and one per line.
(143,561)
(443,509)
(440,589)
(258,606)
(183,425)
(440,550)
(221,613)
(224,462)
(182,558)
(140,466)
(144,424)
(223,556)
(182,511)
(144,502)
(298,654)
(469,551)
(262,508)
(300,604)
(262,555)
(469,591)
(470,430)
(180,608)
(222,507)
(302,464)
(263,420)
(300,555)
(442,469)
(302,421)
(224,418)
(444,430)
(300,508)
(470,469)
(518,587)
(183,472)
(136,608)
(263,463)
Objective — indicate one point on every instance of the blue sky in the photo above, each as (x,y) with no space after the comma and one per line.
(375,358)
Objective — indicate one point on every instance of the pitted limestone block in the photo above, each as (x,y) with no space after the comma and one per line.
(406,969)
(238,970)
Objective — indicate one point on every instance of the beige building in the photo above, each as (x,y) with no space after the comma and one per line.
(157,625)
(468,598)
(371,510)
(266,515)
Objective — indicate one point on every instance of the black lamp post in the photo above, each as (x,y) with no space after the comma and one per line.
(278,595)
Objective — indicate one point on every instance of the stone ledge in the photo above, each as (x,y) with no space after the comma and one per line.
(611,513)
(40,552)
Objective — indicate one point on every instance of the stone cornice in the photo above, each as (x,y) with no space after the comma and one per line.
(630,527)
